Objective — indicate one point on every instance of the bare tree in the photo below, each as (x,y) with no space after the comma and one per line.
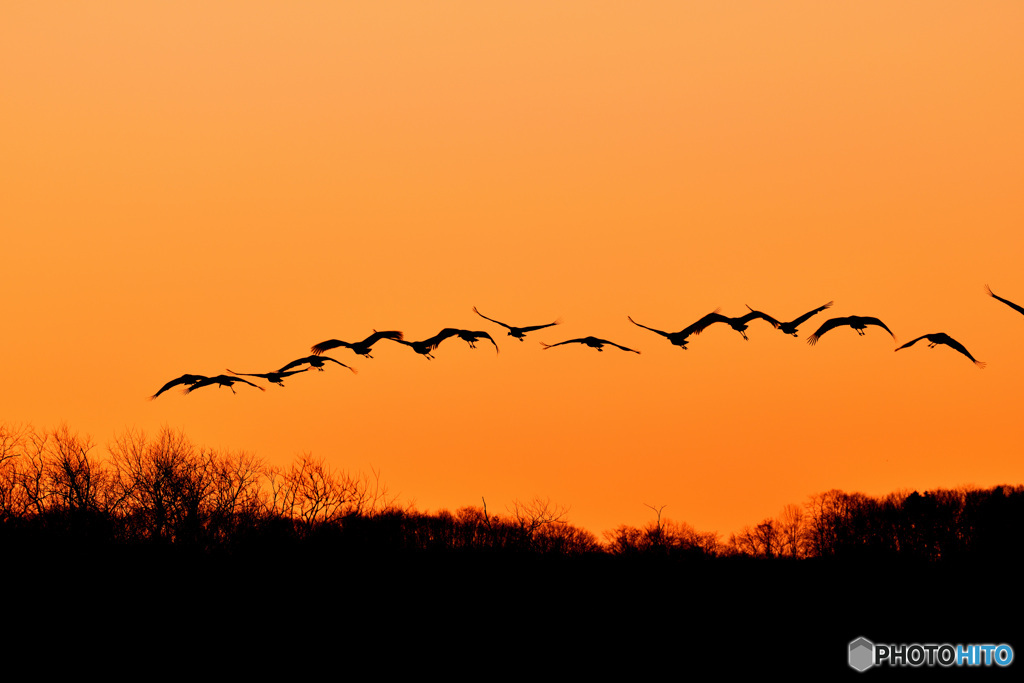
(565,539)
(13,441)
(31,492)
(532,517)
(762,540)
(235,499)
(311,493)
(161,486)
(661,538)
(792,531)
(74,481)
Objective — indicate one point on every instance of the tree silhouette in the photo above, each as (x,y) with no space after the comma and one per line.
(762,540)
(312,494)
(168,493)
(792,530)
(666,539)
(535,516)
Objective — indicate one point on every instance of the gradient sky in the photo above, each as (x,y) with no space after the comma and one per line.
(191,186)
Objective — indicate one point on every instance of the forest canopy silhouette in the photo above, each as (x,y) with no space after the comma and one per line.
(165,491)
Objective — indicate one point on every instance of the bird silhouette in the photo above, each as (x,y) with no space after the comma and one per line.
(1005,301)
(679,338)
(221,381)
(184,379)
(855,321)
(517,332)
(943,338)
(790,327)
(738,324)
(314,362)
(426,347)
(592,342)
(272,377)
(362,348)
(472,338)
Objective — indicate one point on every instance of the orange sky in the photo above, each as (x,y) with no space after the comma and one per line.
(192,186)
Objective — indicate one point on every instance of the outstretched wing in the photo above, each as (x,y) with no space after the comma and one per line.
(828,325)
(1008,303)
(619,346)
(184,379)
(325,346)
(245,381)
(299,361)
(440,337)
(531,328)
(205,382)
(703,323)
(954,344)
(802,319)
(491,319)
(484,335)
(911,342)
(754,314)
(876,321)
(377,336)
(581,340)
(663,334)
(323,358)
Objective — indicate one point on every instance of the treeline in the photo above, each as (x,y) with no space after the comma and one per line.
(167,492)
(945,524)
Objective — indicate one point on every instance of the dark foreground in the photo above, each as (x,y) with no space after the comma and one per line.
(482,613)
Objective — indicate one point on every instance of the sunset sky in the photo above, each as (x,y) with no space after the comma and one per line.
(193,186)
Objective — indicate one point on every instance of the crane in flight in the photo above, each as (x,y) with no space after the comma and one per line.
(314,362)
(184,379)
(592,342)
(471,338)
(221,381)
(857,322)
(272,377)
(426,347)
(790,327)
(679,338)
(943,338)
(362,347)
(517,332)
(739,324)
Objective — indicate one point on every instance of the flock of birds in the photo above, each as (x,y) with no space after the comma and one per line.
(426,347)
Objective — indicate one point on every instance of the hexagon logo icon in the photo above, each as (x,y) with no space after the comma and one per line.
(862,654)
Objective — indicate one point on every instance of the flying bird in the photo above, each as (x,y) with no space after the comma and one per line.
(517,332)
(1008,303)
(738,324)
(314,362)
(184,379)
(425,347)
(790,327)
(942,338)
(362,348)
(472,338)
(221,381)
(592,342)
(855,321)
(272,377)
(679,338)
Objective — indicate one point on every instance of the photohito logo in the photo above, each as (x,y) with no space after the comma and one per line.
(864,654)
